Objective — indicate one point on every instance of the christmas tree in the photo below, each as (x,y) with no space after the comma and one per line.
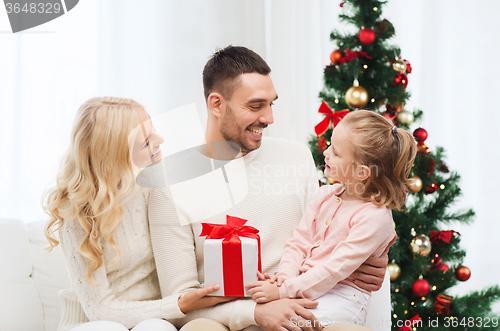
(426,260)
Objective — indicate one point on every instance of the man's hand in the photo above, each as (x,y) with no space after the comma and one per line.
(287,314)
(370,275)
(263,291)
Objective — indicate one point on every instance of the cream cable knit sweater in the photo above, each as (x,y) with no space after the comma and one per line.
(129,291)
(270,187)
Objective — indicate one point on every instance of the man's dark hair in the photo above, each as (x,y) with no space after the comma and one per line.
(226,65)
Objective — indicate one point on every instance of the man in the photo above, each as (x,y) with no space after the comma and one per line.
(266,181)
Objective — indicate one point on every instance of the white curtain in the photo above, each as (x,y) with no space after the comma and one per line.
(154,51)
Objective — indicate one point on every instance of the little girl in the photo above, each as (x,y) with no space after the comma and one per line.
(346,222)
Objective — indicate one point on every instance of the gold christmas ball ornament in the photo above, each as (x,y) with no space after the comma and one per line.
(405,117)
(399,66)
(356,96)
(415,184)
(421,244)
(394,271)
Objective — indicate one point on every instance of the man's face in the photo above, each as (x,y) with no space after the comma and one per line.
(248,112)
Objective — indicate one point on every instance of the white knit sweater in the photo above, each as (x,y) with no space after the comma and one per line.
(270,187)
(128,291)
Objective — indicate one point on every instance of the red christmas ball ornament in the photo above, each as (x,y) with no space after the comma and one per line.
(408,66)
(440,266)
(341,5)
(421,287)
(336,56)
(420,135)
(462,273)
(401,79)
(366,36)
(431,188)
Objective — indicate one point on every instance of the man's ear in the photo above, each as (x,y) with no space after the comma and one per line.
(362,173)
(214,104)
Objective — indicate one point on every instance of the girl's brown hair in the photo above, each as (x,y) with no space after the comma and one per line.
(388,152)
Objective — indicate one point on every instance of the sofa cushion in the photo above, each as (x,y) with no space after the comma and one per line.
(20,306)
(49,274)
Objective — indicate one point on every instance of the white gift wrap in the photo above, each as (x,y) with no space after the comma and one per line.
(213,266)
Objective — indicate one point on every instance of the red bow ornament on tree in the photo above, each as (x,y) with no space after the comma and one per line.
(442,236)
(352,55)
(330,116)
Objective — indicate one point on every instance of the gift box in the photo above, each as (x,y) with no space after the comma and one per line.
(231,256)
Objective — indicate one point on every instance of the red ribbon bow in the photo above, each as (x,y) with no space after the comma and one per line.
(322,143)
(231,250)
(411,321)
(330,116)
(442,235)
(442,304)
(352,55)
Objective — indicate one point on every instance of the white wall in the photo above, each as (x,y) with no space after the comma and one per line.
(154,51)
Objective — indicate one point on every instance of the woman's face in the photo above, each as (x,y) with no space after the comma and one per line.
(146,149)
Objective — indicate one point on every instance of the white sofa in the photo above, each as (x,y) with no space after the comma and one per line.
(30,280)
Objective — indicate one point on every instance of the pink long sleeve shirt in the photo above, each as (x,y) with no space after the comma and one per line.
(332,240)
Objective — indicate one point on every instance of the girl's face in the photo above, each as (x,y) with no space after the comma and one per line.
(339,157)
(146,149)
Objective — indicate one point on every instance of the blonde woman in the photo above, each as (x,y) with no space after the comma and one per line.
(100,215)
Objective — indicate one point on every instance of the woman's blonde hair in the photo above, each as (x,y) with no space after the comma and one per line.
(387,151)
(96,176)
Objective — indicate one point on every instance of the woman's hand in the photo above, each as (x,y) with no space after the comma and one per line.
(197,298)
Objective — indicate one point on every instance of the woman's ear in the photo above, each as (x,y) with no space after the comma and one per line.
(214,103)
(362,173)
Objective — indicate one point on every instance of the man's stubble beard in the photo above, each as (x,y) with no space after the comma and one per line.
(228,123)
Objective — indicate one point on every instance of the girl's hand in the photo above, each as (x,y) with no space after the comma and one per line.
(277,279)
(197,298)
(263,291)
(263,276)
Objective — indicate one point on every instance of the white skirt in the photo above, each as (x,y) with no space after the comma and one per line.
(343,305)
